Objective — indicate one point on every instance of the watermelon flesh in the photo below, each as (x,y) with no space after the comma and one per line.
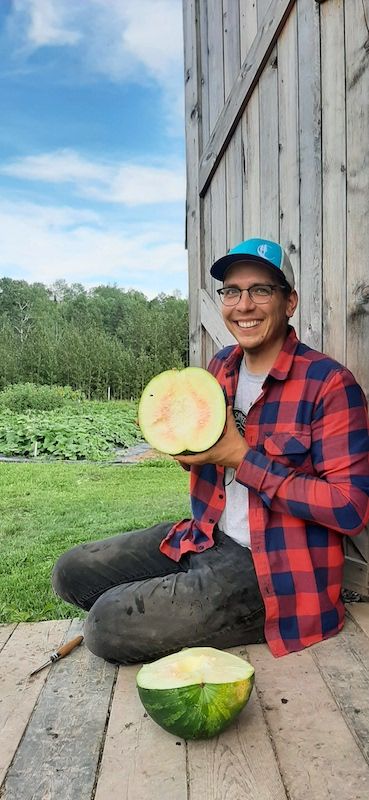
(182,411)
(196,693)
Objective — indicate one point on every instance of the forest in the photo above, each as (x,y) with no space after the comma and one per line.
(106,342)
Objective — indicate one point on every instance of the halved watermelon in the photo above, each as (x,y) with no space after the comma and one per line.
(182,410)
(196,693)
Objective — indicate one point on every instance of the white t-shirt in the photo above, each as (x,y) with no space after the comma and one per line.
(235,517)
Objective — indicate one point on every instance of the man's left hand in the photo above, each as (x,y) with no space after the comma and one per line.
(229,450)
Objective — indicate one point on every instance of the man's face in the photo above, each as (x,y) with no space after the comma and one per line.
(257,328)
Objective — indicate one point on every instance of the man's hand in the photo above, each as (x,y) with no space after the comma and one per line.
(229,450)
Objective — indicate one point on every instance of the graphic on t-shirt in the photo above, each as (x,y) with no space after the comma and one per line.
(240,418)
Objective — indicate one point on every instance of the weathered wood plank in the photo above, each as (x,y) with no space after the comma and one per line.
(334,179)
(230,114)
(28,647)
(6,632)
(310,173)
(239,763)
(344,664)
(192,112)
(358,546)
(140,760)
(65,732)
(360,613)
(212,321)
(203,61)
(317,755)
(289,157)
(357,93)
(268,133)
(356,576)
(250,131)
(207,282)
(233,156)
(217,190)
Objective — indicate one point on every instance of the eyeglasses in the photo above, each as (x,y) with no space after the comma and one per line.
(259,293)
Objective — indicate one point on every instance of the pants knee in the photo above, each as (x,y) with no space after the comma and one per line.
(65,577)
(101,633)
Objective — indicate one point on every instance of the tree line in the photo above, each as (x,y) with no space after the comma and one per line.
(103,341)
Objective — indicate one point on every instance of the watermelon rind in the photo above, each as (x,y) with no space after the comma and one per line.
(201,709)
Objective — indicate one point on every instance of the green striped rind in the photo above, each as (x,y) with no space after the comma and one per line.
(197,712)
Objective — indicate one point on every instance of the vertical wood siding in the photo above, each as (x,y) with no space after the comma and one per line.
(277,127)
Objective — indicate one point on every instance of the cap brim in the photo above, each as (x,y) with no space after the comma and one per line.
(220,267)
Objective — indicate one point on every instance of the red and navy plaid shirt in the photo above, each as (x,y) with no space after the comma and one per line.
(307,472)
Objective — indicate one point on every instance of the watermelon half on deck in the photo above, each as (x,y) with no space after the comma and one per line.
(196,693)
(182,411)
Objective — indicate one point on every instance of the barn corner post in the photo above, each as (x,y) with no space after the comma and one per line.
(277,142)
(192,116)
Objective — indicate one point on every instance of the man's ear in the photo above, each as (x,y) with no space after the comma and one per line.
(292,302)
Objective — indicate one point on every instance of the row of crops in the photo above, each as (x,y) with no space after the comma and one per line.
(57,423)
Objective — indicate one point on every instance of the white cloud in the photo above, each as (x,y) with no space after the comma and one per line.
(47,23)
(125,183)
(122,40)
(45,244)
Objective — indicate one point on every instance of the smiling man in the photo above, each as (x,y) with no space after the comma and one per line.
(262,556)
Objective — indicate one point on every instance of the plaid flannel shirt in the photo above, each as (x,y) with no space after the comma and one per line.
(307,472)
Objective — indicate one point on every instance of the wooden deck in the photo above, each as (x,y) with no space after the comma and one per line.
(77,730)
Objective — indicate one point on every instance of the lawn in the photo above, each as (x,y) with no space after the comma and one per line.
(47,508)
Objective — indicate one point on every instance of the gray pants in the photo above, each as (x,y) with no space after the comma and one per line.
(142,605)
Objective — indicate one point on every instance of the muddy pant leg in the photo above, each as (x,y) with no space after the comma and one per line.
(85,572)
(215,601)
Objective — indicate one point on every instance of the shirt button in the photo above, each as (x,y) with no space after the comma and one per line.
(221,496)
(211,520)
(201,547)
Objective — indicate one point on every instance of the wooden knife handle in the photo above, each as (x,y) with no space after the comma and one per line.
(69,646)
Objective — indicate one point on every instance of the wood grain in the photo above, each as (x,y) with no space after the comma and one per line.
(360,613)
(59,752)
(268,140)
(239,763)
(28,647)
(233,156)
(192,112)
(357,92)
(140,760)
(316,752)
(343,662)
(334,179)
(242,89)
(5,633)
(289,156)
(310,173)
(250,130)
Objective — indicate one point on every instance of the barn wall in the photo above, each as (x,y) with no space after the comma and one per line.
(277,128)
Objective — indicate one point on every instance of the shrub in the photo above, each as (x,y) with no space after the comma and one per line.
(23,396)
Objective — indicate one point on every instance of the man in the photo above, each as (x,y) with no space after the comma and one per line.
(262,556)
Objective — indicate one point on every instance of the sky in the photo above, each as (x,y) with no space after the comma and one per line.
(92,163)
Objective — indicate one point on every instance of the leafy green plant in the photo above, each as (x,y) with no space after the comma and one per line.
(90,430)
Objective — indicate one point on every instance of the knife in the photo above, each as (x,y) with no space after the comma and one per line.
(64,650)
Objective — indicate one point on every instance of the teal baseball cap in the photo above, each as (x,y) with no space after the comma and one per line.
(260,251)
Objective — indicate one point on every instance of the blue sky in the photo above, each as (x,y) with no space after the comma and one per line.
(92,165)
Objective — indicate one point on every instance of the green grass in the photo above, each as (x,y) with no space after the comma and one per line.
(46,509)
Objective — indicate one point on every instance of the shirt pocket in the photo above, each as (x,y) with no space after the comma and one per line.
(292,449)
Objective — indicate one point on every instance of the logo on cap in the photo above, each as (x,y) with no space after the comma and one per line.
(262,250)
